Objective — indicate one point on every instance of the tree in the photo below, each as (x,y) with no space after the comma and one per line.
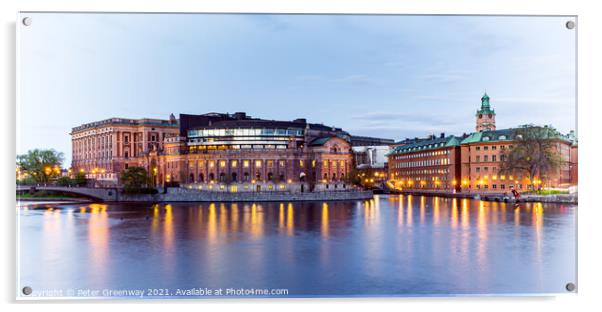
(64,181)
(135,180)
(80,179)
(41,165)
(533,152)
(354,177)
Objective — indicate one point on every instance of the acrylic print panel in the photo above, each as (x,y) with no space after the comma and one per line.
(270,155)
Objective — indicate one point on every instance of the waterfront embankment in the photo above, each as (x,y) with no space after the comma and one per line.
(187,195)
(556,198)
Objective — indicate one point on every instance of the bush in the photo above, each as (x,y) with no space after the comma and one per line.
(64,181)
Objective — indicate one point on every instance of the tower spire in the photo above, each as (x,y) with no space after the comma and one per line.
(485,115)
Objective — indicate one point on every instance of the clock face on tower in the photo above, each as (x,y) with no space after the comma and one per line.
(490,115)
(480,116)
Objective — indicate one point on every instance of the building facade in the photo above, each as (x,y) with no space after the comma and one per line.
(104,148)
(483,153)
(219,152)
(427,164)
(471,163)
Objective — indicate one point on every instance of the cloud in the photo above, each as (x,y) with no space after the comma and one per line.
(444,77)
(349,79)
(395,119)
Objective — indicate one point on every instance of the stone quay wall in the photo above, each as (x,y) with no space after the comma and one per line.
(187,195)
(560,198)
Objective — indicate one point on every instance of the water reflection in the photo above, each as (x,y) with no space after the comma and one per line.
(365,247)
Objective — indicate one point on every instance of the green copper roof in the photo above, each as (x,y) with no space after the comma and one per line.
(485,106)
(427,144)
(489,136)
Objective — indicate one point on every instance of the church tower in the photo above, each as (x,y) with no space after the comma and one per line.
(485,115)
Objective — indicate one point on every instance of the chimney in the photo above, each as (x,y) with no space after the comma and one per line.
(442,135)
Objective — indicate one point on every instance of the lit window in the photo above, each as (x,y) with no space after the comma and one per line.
(258,163)
(234,163)
(222,163)
(245,163)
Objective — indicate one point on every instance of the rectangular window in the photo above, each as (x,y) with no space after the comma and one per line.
(493,158)
(245,163)
(258,163)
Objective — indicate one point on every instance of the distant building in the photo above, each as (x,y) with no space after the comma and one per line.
(374,156)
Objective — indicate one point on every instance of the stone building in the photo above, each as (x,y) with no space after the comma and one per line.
(104,148)
(218,151)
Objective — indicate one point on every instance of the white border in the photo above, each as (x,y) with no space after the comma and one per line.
(589,24)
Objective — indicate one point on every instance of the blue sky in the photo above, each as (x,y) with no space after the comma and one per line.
(386,76)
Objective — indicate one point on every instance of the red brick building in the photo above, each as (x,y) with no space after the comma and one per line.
(471,163)
(427,164)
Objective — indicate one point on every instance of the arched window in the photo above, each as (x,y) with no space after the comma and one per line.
(191,178)
(334,176)
(325,176)
(234,176)
(270,176)
(211,177)
(222,177)
(258,176)
(282,177)
(246,176)
(201,178)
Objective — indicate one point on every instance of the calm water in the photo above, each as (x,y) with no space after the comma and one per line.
(392,245)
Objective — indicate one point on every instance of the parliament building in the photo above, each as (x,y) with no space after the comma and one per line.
(218,151)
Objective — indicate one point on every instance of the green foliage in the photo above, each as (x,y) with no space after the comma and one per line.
(29,180)
(533,152)
(64,181)
(135,180)
(41,165)
(79,179)
(354,177)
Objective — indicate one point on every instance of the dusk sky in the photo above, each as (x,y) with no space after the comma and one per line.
(384,76)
